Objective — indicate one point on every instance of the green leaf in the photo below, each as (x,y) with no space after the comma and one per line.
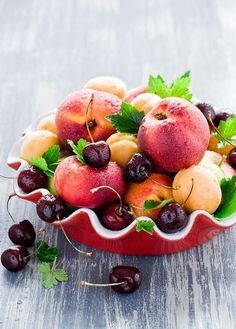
(51,276)
(49,161)
(145,225)
(151,204)
(49,280)
(60,275)
(178,88)
(44,267)
(227,129)
(127,120)
(228,202)
(45,253)
(78,149)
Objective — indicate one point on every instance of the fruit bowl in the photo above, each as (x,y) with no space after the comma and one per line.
(84,226)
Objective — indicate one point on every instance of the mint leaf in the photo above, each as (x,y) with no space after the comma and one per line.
(127,120)
(151,204)
(228,202)
(45,253)
(178,88)
(49,161)
(227,129)
(78,149)
(145,225)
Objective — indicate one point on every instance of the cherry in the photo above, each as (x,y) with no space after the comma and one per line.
(31,179)
(50,208)
(172,218)
(232,158)
(122,279)
(207,110)
(222,116)
(116,217)
(97,154)
(15,258)
(139,168)
(22,233)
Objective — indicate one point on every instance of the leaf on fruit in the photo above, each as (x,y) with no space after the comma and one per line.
(145,225)
(228,202)
(45,253)
(151,204)
(127,120)
(49,161)
(51,276)
(178,88)
(227,132)
(78,149)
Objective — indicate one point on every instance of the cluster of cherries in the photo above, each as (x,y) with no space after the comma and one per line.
(214,119)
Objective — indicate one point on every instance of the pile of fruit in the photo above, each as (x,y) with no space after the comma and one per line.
(150,152)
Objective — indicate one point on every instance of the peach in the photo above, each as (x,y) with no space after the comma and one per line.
(37,143)
(221,150)
(71,115)
(157,187)
(122,146)
(48,123)
(74,182)
(206,193)
(111,85)
(132,93)
(175,134)
(145,102)
(218,160)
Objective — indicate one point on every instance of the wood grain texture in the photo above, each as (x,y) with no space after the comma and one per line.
(49,48)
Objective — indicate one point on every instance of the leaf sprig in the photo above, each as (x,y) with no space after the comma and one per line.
(151,204)
(49,161)
(226,132)
(228,203)
(145,225)
(78,148)
(52,275)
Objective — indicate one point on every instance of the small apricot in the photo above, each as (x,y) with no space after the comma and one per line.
(122,146)
(145,102)
(48,123)
(111,85)
(37,143)
(221,150)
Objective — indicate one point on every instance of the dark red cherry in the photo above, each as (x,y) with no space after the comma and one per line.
(50,208)
(115,217)
(207,110)
(15,258)
(172,218)
(232,158)
(97,154)
(22,233)
(130,275)
(31,179)
(139,168)
(222,116)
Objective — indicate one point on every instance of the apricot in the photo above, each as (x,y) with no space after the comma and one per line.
(36,143)
(157,187)
(122,146)
(111,85)
(48,123)
(145,102)
(206,193)
(221,150)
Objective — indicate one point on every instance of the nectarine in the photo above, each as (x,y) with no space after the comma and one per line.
(111,85)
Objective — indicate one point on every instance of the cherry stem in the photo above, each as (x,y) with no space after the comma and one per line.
(85,283)
(190,192)
(112,189)
(42,232)
(54,264)
(86,119)
(8,177)
(218,132)
(168,187)
(74,247)
(222,160)
(8,200)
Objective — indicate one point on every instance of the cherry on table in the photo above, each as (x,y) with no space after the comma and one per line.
(22,233)
(15,258)
(51,208)
(97,154)
(172,218)
(31,179)
(139,168)
(116,216)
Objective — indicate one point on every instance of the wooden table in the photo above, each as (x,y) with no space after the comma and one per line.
(49,48)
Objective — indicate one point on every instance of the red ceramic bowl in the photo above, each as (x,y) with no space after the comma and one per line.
(84,226)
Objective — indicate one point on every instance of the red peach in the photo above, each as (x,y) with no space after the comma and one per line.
(175,134)
(71,115)
(74,182)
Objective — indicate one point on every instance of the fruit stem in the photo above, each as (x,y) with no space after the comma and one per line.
(168,187)
(86,119)
(85,283)
(67,238)
(112,189)
(190,192)
(8,177)
(218,132)
(54,264)
(8,200)
(222,160)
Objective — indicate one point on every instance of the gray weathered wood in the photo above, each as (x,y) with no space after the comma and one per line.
(49,48)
